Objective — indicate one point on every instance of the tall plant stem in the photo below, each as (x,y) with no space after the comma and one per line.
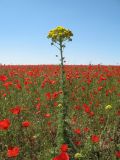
(61,116)
(62,68)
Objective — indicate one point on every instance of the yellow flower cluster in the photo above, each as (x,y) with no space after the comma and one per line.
(108,107)
(60,105)
(60,34)
(78,155)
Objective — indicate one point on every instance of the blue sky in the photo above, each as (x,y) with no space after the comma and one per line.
(24,25)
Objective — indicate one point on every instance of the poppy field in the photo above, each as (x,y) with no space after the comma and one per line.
(30,103)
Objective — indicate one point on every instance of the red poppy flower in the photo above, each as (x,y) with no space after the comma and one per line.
(77,131)
(118,113)
(64,147)
(86,108)
(49,123)
(4,95)
(95,138)
(100,88)
(91,114)
(47,115)
(48,95)
(86,129)
(7,84)
(3,78)
(18,86)
(62,156)
(117,154)
(77,143)
(15,110)
(38,105)
(102,78)
(13,151)
(26,124)
(4,124)
(77,107)
(101,119)
(55,95)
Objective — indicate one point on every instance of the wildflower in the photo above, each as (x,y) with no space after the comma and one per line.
(62,156)
(108,107)
(13,151)
(77,107)
(95,138)
(15,110)
(47,115)
(78,143)
(55,95)
(7,84)
(38,105)
(100,88)
(49,123)
(60,33)
(4,124)
(78,155)
(117,154)
(86,129)
(60,105)
(118,113)
(64,147)
(91,114)
(77,131)
(102,78)
(26,124)
(4,95)
(3,78)
(87,109)
(48,96)
(55,104)
(101,119)
(18,86)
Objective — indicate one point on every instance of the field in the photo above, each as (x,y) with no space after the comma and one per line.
(29,106)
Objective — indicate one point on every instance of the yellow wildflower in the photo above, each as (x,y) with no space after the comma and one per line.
(60,33)
(108,107)
(77,155)
(60,105)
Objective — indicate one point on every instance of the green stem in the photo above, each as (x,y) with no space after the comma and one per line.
(62,134)
(60,129)
(62,69)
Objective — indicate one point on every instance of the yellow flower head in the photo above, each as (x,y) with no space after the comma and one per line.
(108,107)
(60,34)
(77,155)
(60,105)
